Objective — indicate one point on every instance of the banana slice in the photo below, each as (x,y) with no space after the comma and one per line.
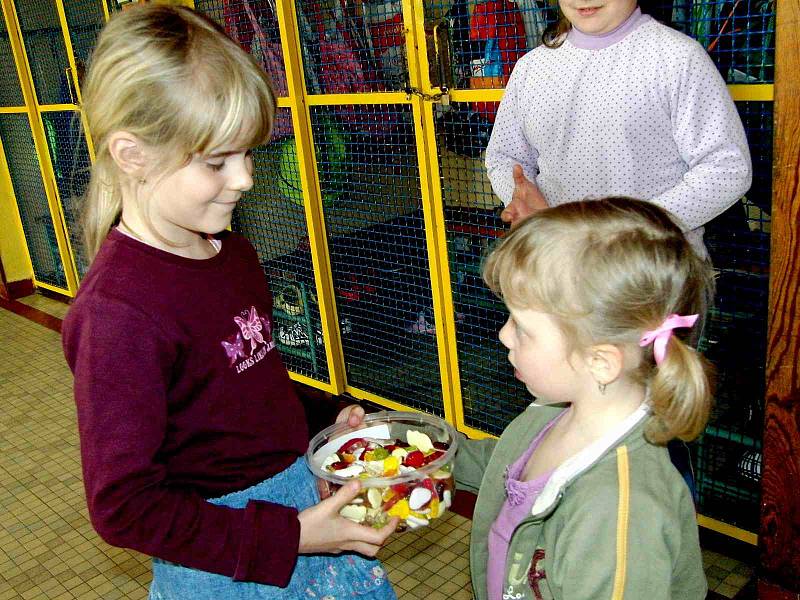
(375,497)
(354,512)
(420,440)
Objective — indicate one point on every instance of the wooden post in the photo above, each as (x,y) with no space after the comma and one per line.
(779,577)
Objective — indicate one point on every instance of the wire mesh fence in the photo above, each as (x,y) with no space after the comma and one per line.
(43,39)
(369,180)
(85,19)
(352,47)
(739,35)
(26,179)
(69,156)
(728,456)
(10,89)
(272,217)
(254,25)
(487,37)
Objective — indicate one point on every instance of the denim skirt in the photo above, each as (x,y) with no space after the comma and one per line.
(321,577)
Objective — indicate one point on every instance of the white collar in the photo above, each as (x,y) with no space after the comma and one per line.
(571,468)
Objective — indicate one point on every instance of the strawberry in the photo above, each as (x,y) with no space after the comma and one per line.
(432,456)
(350,446)
(414,459)
(427,483)
(401,489)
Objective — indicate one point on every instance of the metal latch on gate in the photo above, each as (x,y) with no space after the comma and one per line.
(442,97)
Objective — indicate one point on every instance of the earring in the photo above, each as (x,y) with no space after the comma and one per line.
(142,180)
(602,387)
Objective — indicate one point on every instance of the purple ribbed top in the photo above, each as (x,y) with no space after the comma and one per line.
(520,496)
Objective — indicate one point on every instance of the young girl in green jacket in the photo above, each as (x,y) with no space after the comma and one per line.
(578,499)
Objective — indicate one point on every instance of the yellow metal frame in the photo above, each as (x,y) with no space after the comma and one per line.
(40,143)
(299,102)
(440,272)
(35,110)
(7,188)
(306,162)
(747,92)
(752,92)
(74,74)
(62,17)
(728,530)
(432,211)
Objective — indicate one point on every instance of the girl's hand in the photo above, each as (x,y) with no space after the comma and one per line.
(323,530)
(525,201)
(352,415)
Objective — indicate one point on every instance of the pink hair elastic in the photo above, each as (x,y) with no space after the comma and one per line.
(660,336)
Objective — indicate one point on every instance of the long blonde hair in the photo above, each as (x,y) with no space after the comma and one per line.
(608,270)
(172,78)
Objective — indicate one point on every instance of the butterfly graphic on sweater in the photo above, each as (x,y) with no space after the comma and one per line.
(234,347)
(252,328)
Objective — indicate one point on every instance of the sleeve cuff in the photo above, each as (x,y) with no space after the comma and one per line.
(270,543)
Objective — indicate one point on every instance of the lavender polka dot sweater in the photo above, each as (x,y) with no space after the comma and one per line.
(641,111)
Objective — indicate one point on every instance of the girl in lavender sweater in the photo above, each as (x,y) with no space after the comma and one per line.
(615,103)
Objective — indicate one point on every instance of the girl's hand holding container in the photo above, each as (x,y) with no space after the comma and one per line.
(323,530)
(402,460)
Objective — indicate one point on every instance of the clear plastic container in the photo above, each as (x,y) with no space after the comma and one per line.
(416,493)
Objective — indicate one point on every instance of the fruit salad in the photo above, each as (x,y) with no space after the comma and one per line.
(424,488)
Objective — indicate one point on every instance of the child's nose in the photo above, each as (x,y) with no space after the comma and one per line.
(247,182)
(505,335)
(243,178)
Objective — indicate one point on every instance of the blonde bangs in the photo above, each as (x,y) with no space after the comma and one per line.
(224,99)
(242,119)
(527,270)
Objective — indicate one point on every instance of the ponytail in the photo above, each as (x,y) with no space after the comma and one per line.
(102,204)
(681,392)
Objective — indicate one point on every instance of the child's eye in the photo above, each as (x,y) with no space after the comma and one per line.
(215,166)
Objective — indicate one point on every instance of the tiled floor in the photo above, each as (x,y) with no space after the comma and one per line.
(726,576)
(45,304)
(48,549)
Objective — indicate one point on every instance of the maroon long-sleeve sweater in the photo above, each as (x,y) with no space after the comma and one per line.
(182,396)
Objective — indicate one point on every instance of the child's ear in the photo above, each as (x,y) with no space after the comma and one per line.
(605,363)
(128,152)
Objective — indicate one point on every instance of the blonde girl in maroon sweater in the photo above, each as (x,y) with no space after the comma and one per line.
(192,439)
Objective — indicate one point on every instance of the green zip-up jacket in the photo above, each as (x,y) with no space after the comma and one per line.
(615,521)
